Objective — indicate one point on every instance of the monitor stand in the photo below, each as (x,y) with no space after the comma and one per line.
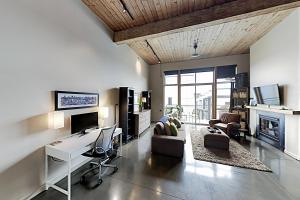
(82,133)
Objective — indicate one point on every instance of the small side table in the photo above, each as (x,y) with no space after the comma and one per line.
(244,131)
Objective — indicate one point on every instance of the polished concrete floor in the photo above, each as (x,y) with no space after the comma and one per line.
(143,176)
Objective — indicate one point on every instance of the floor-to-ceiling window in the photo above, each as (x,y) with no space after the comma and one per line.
(201,93)
(171,91)
(225,77)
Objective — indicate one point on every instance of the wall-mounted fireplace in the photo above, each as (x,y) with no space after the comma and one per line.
(270,128)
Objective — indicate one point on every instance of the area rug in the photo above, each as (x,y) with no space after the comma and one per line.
(237,155)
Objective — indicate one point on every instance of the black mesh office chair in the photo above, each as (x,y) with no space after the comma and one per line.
(104,151)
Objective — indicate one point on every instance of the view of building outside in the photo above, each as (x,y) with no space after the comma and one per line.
(171,93)
(203,104)
(188,104)
(223,96)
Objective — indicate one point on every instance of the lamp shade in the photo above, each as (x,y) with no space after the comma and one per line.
(103,112)
(56,120)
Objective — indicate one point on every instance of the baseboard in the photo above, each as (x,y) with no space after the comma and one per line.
(292,155)
(38,191)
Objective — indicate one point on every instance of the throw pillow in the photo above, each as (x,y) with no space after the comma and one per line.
(174,130)
(171,119)
(159,129)
(177,122)
(168,128)
(163,119)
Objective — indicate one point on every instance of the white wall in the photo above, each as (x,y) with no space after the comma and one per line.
(156,75)
(275,58)
(47,46)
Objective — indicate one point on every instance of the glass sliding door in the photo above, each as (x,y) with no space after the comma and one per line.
(196,97)
(203,103)
(188,104)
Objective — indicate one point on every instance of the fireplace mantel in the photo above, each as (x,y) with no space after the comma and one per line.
(275,110)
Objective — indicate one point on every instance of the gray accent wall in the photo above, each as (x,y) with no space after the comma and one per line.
(47,46)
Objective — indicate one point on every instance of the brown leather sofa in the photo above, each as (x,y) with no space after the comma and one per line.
(228,122)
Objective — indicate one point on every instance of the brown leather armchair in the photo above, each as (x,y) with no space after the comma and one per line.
(228,122)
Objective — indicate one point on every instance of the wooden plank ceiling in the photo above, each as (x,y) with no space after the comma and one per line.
(229,38)
(144,11)
(221,40)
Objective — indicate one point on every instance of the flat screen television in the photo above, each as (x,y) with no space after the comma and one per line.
(268,94)
(81,122)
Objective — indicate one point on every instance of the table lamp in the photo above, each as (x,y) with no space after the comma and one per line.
(56,120)
(103,113)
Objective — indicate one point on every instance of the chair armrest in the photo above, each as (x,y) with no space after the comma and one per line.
(212,122)
(232,127)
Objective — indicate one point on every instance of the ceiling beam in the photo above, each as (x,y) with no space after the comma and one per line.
(219,14)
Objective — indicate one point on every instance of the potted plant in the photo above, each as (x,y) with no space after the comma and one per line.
(140,104)
(174,111)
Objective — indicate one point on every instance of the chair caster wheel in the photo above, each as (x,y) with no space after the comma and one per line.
(100,181)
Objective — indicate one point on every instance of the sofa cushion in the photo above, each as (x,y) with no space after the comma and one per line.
(168,128)
(221,125)
(182,133)
(224,118)
(177,122)
(230,117)
(159,129)
(174,130)
(164,119)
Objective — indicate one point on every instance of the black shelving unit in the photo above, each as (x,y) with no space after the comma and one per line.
(147,95)
(126,109)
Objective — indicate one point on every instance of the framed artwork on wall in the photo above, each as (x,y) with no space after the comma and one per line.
(65,100)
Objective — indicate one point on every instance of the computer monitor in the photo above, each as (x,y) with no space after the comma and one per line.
(81,122)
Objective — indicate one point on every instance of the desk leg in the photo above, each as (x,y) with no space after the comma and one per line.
(121,144)
(46,172)
(69,178)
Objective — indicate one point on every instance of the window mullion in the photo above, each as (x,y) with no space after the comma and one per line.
(179,88)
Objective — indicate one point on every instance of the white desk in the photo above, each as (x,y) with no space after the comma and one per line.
(69,152)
